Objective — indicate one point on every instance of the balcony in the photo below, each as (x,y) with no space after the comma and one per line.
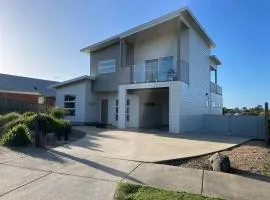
(215,88)
(157,70)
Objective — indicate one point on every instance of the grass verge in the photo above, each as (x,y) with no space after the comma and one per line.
(127,191)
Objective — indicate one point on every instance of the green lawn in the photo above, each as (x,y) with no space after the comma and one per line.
(138,192)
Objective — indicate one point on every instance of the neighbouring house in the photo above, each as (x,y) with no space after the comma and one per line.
(24,89)
(154,76)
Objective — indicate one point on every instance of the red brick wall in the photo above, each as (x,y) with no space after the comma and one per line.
(30,98)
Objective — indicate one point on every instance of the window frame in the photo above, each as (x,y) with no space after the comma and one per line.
(103,64)
(72,111)
(206,103)
(116,109)
(213,104)
(127,109)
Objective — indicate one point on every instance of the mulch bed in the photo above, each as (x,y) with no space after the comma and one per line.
(250,158)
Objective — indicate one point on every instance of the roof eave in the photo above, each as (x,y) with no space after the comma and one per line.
(71,81)
(185,12)
(215,59)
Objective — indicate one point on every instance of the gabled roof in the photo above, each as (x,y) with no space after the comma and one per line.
(71,81)
(25,84)
(184,12)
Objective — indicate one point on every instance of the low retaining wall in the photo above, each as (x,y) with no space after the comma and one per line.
(241,125)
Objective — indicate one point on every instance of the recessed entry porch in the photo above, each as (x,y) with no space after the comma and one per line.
(154,106)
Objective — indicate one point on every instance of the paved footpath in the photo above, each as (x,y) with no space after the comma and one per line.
(38,174)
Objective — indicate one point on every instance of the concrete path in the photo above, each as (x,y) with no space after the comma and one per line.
(228,186)
(38,174)
(146,147)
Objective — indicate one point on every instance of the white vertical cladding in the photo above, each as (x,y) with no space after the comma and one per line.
(161,43)
(133,112)
(77,89)
(194,95)
(174,107)
(122,96)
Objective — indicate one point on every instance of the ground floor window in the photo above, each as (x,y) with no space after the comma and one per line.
(206,103)
(213,104)
(69,104)
(116,110)
(127,110)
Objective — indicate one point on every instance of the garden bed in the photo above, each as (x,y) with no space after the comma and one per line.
(250,158)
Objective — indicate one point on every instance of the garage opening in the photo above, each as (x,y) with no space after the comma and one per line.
(153,108)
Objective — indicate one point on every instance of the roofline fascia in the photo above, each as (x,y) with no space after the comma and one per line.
(150,24)
(71,81)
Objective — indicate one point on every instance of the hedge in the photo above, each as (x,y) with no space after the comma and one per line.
(17,136)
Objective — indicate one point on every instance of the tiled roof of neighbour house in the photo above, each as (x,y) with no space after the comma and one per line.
(25,84)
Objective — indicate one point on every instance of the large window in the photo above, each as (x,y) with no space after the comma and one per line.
(159,69)
(106,66)
(69,104)
(151,70)
(166,71)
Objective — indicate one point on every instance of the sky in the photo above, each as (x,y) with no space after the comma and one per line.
(43,38)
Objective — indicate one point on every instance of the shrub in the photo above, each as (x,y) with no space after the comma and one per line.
(29,114)
(47,123)
(28,121)
(58,113)
(61,127)
(9,117)
(18,136)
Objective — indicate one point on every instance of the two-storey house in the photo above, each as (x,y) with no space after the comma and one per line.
(154,76)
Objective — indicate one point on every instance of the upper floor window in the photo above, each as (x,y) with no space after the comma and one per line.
(106,66)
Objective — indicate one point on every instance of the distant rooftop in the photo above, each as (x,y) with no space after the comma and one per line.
(26,84)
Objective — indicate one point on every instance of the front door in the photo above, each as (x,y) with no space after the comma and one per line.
(104,110)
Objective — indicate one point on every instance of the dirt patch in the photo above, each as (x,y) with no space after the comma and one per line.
(252,157)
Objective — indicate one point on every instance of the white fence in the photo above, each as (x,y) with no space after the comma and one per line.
(241,125)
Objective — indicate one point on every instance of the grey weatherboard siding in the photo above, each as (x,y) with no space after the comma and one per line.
(110,81)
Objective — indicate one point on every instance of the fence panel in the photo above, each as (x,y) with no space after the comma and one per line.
(241,125)
(17,106)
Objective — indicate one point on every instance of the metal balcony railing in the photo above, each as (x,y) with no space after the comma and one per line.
(215,88)
(156,71)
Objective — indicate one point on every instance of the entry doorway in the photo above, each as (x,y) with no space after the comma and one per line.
(104,110)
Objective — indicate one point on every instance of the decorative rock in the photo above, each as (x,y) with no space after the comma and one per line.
(220,162)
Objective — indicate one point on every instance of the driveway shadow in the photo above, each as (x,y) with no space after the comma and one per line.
(89,142)
(98,166)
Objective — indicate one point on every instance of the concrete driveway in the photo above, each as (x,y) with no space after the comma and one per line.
(146,147)
(83,169)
